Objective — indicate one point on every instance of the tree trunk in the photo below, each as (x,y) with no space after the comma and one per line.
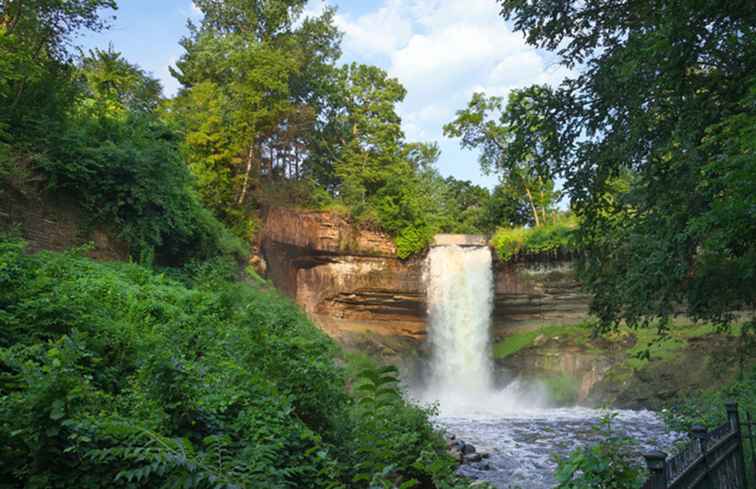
(13,18)
(532,206)
(247,172)
(543,204)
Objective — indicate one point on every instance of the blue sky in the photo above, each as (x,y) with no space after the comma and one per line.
(441,50)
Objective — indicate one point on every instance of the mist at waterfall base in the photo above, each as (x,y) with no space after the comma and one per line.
(512,422)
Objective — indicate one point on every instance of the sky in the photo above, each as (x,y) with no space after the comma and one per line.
(442,51)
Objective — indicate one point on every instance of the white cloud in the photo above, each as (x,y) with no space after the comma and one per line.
(170,84)
(379,32)
(195,11)
(190,11)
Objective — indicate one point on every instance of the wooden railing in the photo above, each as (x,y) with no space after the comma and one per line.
(712,460)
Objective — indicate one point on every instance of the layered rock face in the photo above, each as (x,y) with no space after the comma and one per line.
(348,280)
(536,293)
(353,285)
(47,221)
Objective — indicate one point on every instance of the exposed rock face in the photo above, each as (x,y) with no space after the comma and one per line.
(532,293)
(47,221)
(324,232)
(348,280)
(353,285)
(586,366)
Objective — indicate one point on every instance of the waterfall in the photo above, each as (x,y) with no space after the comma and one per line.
(459,282)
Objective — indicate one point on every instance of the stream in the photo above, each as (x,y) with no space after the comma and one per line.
(521,445)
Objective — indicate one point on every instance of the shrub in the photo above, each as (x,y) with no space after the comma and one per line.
(127,173)
(707,408)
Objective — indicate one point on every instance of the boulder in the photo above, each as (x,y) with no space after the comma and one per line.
(467,449)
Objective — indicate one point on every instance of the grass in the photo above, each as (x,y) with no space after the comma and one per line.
(646,339)
(665,349)
(513,343)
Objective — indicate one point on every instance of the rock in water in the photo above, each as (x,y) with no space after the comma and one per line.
(468,449)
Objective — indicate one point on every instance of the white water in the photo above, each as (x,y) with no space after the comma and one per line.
(512,424)
(459,284)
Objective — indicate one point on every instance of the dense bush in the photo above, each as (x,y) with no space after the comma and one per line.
(549,238)
(127,174)
(114,375)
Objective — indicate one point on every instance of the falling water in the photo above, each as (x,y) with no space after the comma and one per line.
(459,285)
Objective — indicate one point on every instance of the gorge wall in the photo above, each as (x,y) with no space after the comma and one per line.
(353,285)
(55,222)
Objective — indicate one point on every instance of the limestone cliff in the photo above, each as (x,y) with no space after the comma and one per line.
(352,284)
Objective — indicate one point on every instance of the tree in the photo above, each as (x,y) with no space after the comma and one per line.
(659,89)
(251,96)
(486,125)
(371,149)
(507,207)
(467,207)
(35,51)
(117,85)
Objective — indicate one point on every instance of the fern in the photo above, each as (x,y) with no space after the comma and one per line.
(175,463)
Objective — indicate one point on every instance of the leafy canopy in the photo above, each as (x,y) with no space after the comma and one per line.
(665,99)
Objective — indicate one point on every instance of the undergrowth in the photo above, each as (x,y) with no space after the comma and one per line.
(113,375)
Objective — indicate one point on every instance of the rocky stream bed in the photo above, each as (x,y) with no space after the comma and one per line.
(518,447)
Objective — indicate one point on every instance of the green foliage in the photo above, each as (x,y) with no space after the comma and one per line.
(35,39)
(128,175)
(412,240)
(707,408)
(270,120)
(255,78)
(114,375)
(395,445)
(94,130)
(674,116)
(604,465)
(548,239)
(486,124)
(517,341)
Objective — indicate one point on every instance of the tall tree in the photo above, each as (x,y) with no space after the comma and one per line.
(486,125)
(372,137)
(665,94)
(251,95)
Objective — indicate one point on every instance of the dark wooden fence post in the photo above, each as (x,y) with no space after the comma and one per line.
(734,417)
(655,462)
(752,438)
(701,435)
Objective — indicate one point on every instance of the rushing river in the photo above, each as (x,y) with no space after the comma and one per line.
(522,446)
